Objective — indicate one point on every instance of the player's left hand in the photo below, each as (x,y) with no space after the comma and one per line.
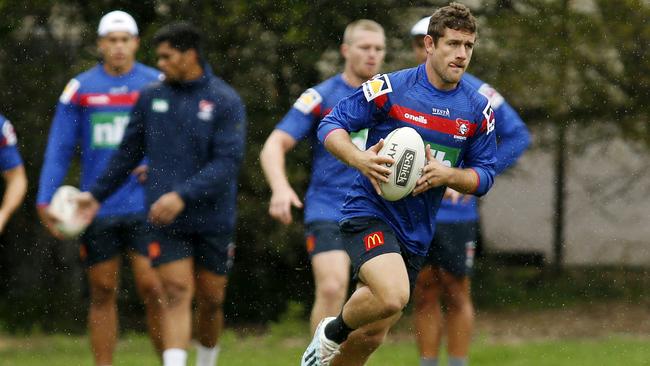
(434,174)
(165,210)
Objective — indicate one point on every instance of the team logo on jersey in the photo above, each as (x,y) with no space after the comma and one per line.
(440,112)
(8,134)
(462,127)
(373,240)
(488,113)
(69,91)
(378,85)
(447,156)
(206,109)
(493,96)
(108,129)
(308,101)
(159,105)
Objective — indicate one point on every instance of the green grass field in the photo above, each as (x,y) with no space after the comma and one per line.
(277,350)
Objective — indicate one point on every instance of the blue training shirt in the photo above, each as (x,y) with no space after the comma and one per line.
(193,134)
(513,139)
(330,178)
(92,113)
(9,155)
(457,124)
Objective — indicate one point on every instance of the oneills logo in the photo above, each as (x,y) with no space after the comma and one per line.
(373,240)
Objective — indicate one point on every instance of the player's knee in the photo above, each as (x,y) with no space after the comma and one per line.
(177,292)
(210,304)
(459,302)
(103,294)
(150,291)
(331,291)
(393,303)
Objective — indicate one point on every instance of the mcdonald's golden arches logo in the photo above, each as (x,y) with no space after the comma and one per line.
(373,240)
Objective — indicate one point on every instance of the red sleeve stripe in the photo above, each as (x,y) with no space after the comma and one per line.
(316,111)
(102,99)
(431,122)
(329,133)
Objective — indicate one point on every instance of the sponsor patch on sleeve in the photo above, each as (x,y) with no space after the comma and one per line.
(308,101)
(8,134)
(493,96)
(378,85)
(488,114)
(69,91)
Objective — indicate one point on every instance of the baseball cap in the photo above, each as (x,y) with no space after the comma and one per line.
(117,21)
(421,28)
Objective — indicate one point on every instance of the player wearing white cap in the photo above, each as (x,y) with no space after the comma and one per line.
(447,270)
(92,114)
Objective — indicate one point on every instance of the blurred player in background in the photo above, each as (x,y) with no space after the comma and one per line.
(92,114)
(13,173)
(448,268)
(363,49)
(387,240)
(192,128)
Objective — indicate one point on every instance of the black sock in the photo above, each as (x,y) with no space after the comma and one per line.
(337,330)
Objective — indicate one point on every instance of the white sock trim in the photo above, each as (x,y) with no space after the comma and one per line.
(206,356)
(174,357)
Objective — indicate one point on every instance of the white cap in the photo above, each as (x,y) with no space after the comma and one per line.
(421,28)
(117,21)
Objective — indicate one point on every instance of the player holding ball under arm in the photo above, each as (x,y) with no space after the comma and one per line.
(387,241)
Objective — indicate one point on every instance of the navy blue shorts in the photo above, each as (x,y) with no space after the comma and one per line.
(107,237)
(369,237)
(453,247)
(323,236)
(213,252)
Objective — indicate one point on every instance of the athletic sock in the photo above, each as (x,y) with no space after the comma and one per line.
(337,330)
(457,361)
(174,357)
(428,361)
(206,356)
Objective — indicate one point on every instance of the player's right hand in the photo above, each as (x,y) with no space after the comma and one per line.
(49,222)
(281,202)
(87,207)
(373,166)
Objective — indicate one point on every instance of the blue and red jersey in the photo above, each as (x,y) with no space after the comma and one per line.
(457,124)
(9,155)
(513,139)
(330,178)
(92,114)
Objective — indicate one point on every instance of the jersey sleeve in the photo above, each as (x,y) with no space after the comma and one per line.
(227,153)
(62,141)
(302,119)
(481,154)
(129,154)
(9,155)
(362,109)
(513,136)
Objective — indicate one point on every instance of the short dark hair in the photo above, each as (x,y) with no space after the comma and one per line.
(180,35)
(453,16)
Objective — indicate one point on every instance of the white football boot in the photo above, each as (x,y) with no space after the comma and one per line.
(321,351)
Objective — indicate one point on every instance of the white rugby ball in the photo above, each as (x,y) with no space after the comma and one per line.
(406,147)
(64,208)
